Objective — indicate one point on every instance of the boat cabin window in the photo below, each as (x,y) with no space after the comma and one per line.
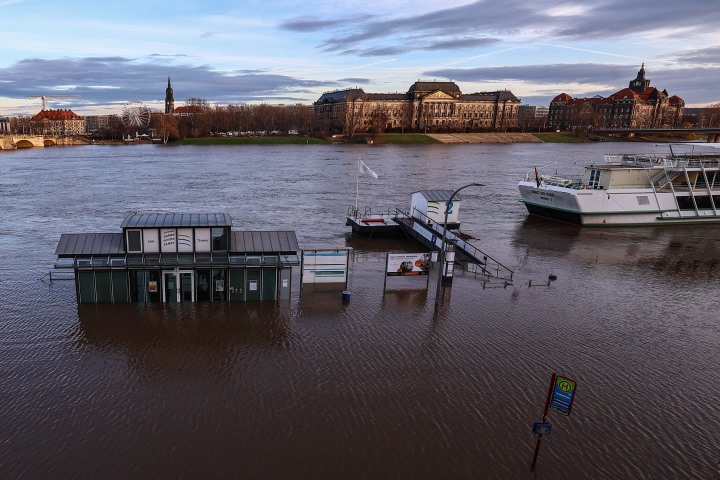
(594,178)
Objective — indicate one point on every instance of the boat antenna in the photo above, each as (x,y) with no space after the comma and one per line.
(672,155)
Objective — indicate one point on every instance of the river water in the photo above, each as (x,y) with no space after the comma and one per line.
(382,387)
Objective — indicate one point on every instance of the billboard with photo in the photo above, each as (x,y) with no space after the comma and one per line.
(405,264)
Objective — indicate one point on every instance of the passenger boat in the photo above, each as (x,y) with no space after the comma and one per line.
(632,189)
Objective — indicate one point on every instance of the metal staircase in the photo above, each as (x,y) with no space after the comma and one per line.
(422,229)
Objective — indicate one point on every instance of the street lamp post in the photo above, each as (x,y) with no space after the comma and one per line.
(443,267)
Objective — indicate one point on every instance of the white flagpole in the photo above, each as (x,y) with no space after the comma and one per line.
(357,185)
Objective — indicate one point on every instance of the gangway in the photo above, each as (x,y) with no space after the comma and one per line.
(422,229)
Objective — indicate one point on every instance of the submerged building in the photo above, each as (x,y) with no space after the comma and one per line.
(173,257)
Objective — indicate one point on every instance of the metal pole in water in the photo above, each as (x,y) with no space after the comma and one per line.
(545,412)
(443,243)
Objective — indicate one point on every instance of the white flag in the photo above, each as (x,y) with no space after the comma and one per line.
(365,169)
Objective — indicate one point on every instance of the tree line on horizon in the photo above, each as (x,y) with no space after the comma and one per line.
(198,118)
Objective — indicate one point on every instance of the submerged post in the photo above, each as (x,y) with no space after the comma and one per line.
(544,418)
(443,266)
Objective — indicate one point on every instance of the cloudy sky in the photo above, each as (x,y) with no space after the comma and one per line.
(291,51)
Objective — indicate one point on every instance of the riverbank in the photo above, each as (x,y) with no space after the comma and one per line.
(421,138)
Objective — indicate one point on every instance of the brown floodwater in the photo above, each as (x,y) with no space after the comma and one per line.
(383,387)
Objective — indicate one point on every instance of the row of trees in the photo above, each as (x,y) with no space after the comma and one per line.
(199,119)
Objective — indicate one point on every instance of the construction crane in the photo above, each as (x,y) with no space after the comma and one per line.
(44,103)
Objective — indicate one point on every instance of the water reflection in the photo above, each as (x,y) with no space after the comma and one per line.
(203,337)
(672,250)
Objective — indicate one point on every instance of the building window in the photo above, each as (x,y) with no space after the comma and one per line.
(219,240)
(134,241)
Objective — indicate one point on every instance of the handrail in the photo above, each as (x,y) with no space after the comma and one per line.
(470,250)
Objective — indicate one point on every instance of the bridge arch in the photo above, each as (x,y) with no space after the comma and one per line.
(24,144)
(49,142)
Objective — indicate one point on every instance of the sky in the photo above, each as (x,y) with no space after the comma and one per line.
(113,54)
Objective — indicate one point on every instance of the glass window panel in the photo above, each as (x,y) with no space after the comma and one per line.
(219,239)
(86,287)
(119,286)
(134,241)
(203,291)
(103,286)
(218,285)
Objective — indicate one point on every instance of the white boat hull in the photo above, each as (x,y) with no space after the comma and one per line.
(609,207)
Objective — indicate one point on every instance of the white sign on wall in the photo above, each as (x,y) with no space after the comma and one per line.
(169,239)
(184,239)
(151,240)
(202,240)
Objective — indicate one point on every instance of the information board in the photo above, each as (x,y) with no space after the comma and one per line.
(563,395)
(325,266)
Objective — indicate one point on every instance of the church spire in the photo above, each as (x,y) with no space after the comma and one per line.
(169,98)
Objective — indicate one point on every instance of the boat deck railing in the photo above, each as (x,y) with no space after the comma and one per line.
(571,181)
(367,212)
(696,160)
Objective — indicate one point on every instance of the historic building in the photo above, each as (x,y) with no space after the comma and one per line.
(4,124)
(169,99)
(429,106)
(637,106)
(57,122)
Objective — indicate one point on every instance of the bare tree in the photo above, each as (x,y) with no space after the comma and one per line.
(166,126)
(405,114)
(378,120)
(354,112)
(710,116)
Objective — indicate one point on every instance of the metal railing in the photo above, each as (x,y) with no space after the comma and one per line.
(487,264)
(173,259)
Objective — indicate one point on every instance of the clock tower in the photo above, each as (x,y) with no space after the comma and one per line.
(639,84)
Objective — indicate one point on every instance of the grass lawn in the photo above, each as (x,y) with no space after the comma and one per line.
(560,138)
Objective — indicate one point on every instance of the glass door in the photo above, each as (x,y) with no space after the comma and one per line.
(178,286)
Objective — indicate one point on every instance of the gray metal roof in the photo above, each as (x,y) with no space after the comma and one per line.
(264,242)
(157,220)
(500,95)
(341,95)
(72,244)
(438,195)
(79,244)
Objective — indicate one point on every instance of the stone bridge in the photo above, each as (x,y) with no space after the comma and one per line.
(11,142)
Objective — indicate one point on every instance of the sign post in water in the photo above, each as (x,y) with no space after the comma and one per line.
(559,399)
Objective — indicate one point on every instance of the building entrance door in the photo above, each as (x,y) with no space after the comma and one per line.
(178,286)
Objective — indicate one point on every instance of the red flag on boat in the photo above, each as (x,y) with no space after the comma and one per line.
(537,177)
